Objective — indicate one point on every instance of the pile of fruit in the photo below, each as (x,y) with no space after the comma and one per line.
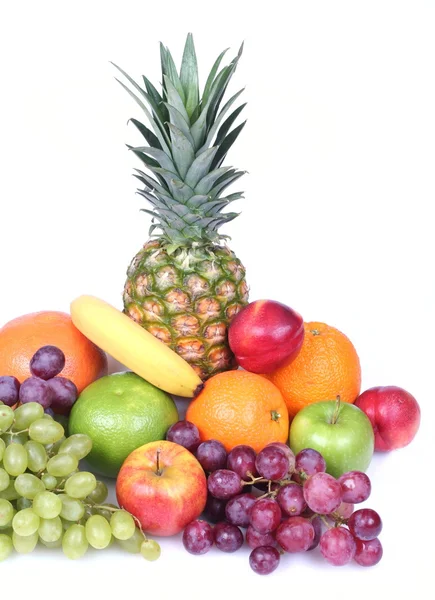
(277,435)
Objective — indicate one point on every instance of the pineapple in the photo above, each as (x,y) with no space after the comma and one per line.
(185,285)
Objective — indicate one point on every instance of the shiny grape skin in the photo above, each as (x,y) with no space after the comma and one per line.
(184,433)
(198,537)
(344,510)
(264,560)
(368,552)
(295,534)
(272,463)
(47,362)
(265,515)
(288,452)
(237,509)
(214,510)
(65,393)
(224,484)
(9,390)
(241,460)
(337,546)
(317,526)
(322,493)
(227,537)
(212,455)
(291,499)
(365,524)
(254,539)
(309,462)
(37,390)
(355,486)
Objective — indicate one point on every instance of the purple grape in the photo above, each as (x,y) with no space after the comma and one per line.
(308,462)
(365,524)
(198,537)
(36,390)
(47,362)
(50,412)
(212,455)
(224,484)
(296,534)
(214,510)
(368,552)
(237,509)
(272,463)
(265,515)
(291,499)
(65,393)
(287,451)
(264,559)
(254,539)
(344,510)
(322,493)
(227,537)
(356,487)
(241,460)
(9,390)
(317,526)
(184,433)
(337,546)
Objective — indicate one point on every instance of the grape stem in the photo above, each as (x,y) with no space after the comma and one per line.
(17,432)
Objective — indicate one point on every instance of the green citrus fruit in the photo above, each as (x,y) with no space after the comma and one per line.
(120,412)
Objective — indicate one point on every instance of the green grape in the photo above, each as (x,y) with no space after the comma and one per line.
(80,484)
(47,505)
(45,431)
(62,465)
(99,494)
(25,522)
(23,503)
(4,479)
(133,544)
(78,444)
(2,448)
(56,544)
(13,438)
(36,456)
(6,546)
(150,549)
(122,525)
(74,542)
(6,418)
(26,414)
(28,485)
(50,530)
(49,481)
(98,532)
(6,512)
(72,509)
(15,459)
(53,449)
(24,544)
(106,512)
(10,493)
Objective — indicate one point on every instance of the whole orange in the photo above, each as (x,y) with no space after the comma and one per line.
(237,407)
(327,366)
(23,336)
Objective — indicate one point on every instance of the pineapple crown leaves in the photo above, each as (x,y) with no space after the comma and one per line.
(188,140)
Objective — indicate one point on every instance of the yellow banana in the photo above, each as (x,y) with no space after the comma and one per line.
(133,346)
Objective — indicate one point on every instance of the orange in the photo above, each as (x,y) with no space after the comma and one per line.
(327,366)
(237,407)
(21,337)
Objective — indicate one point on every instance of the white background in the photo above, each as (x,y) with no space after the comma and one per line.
(340,151)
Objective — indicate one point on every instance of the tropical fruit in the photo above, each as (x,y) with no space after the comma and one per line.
(120,412)
(23,336)
(133,347)
(185,285)
(327,366)
(237,407)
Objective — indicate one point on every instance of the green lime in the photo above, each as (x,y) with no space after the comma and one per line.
(120,412)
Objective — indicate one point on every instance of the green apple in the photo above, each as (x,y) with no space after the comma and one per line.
(341,432)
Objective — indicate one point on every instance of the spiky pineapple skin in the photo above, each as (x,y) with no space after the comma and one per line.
(187,300)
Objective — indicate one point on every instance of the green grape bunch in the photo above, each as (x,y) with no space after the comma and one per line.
(45,498)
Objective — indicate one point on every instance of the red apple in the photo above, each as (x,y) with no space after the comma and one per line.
(394,414)
(163,486)
(265,335)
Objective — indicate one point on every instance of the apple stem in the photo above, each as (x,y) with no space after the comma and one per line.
(159,471)
(336,411)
